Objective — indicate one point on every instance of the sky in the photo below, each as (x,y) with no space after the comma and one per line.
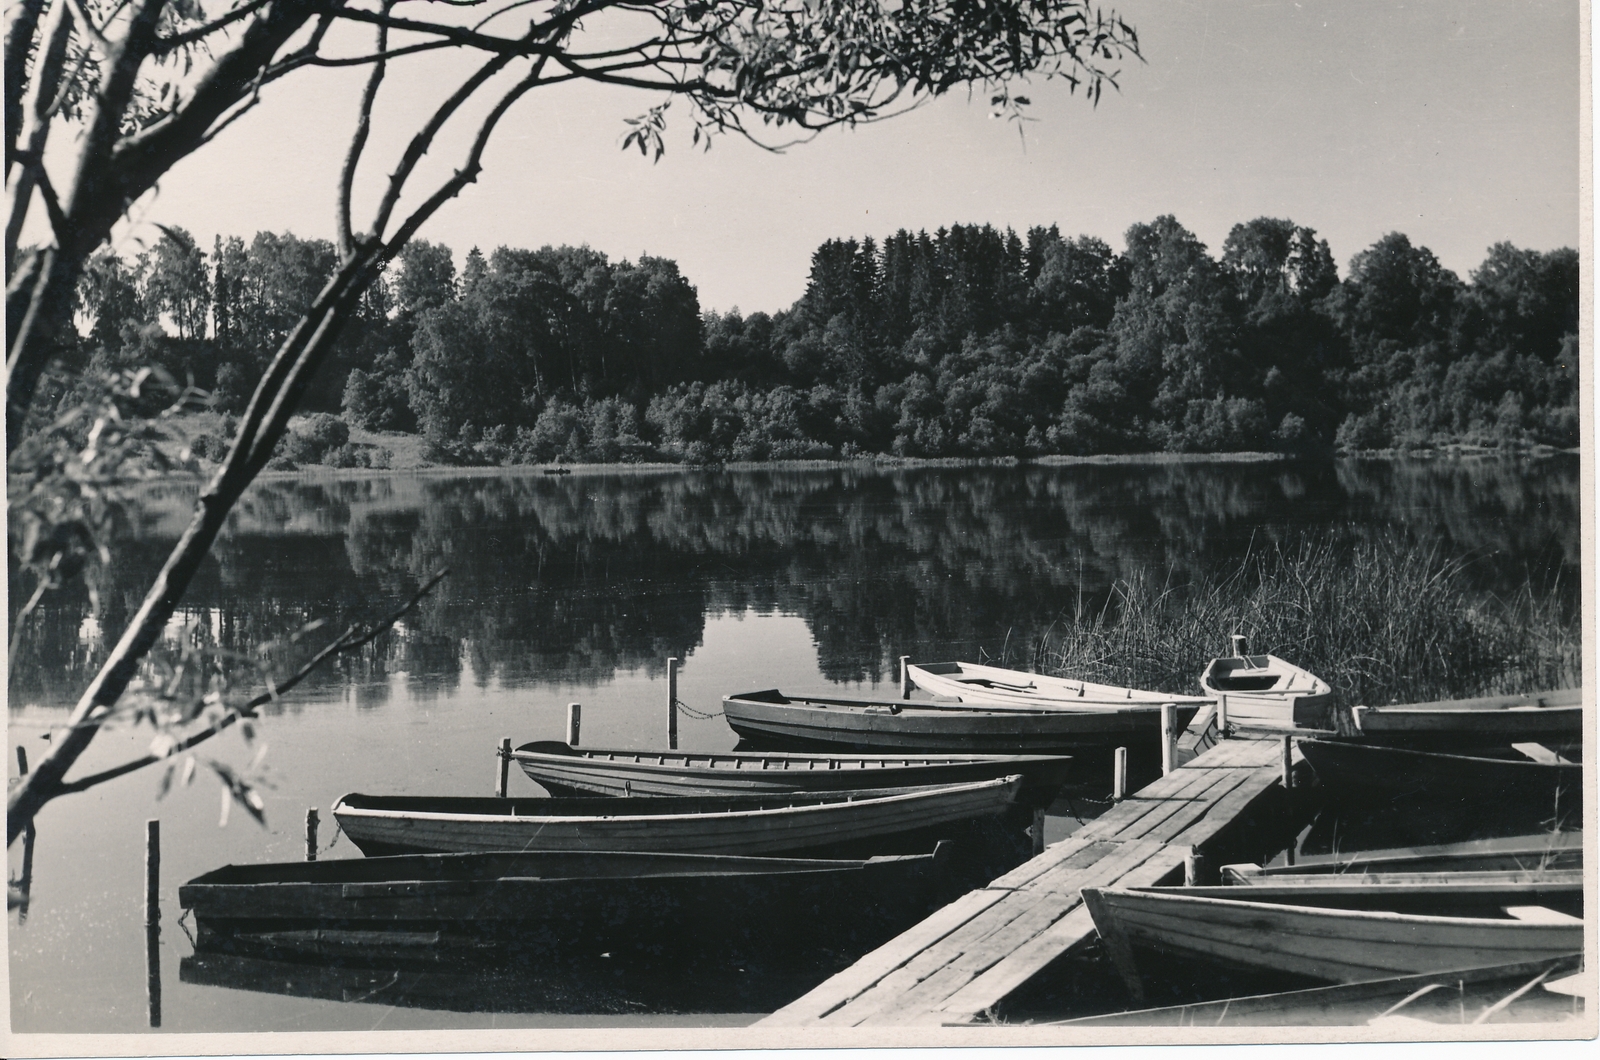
(1453,121)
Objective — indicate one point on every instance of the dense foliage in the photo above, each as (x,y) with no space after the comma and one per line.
(967,342)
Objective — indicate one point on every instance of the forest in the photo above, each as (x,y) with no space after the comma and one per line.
(967,342)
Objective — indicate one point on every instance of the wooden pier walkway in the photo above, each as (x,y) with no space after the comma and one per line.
(968,956)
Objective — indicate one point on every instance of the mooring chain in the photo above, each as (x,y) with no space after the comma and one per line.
(697,714)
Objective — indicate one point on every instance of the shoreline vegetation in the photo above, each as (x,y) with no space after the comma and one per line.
(967,344)
(1384,620)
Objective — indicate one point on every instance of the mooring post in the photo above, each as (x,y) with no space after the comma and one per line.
(152,873)
(152,919)
(1169,737)
(1119,775)
(1288,762)
(311,834)
(22,761)
(503,766)
(1038,831)
(1194,868)
(574,720)
(1238,645)
(672,704)
(1222,716)
(905,677)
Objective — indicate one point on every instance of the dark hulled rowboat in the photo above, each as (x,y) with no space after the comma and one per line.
(1367,771)
(1541,717)
(1453,893)
(442,902)
(724,824)
(1524,853)
(772,719)
(572,771)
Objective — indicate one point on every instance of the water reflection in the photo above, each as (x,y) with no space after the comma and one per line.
(571,580)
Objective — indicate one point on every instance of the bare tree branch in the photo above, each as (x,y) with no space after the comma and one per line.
(349,640)
(424,138)
(164,45)
(358,141)
(44,92)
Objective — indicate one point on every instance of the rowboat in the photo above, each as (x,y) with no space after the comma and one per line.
(1497,994)
(1456,893)
(975,683)
(1364,770)
(1334,945)
(1541,717)
(709,824)
(1524,853)
(572,771)
(772,719)
(1266,689)
(429,902)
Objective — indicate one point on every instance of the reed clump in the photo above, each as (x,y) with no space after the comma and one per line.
(1383,620)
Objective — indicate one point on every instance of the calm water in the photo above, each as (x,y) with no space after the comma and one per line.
(579,589)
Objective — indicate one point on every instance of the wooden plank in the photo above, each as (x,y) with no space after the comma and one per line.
(967,954)
(954,960)
(1189,819)
(1022,964)
(1069,849)
(1186,805)
(837,990)
(1228,809)
(1124,820)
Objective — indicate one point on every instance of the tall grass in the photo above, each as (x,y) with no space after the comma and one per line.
(1383,621)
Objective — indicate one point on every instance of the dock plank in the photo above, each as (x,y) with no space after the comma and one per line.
(1022,964)
(986,939)
(967,957)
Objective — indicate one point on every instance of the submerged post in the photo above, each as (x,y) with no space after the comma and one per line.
(152,873)
(1038,831)
(905,677)
(503,770)
(311,834)
(574,720)
(152,919)
(1288,762)
(1169,737)
(1119,775)
(672,704)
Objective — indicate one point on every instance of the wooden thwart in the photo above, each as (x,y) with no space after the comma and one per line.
(969,956)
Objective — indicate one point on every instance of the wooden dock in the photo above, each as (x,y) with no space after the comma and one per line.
(967,957)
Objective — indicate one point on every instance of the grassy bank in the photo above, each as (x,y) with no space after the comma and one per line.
(1385,621)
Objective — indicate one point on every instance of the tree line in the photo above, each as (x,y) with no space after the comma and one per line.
(966,342)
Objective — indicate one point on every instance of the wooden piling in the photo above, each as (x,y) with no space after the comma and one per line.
(311,834)
(22,761)
(1038,831)
(1119,775)
(1288,762)
(574,721)
(1194,868)
(672,704)
(152,873)
(1169,737)
(152,919)
(1222,716)
(905,677)
(1238,645)
(503,766)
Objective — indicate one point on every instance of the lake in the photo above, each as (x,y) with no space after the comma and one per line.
(579,588)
